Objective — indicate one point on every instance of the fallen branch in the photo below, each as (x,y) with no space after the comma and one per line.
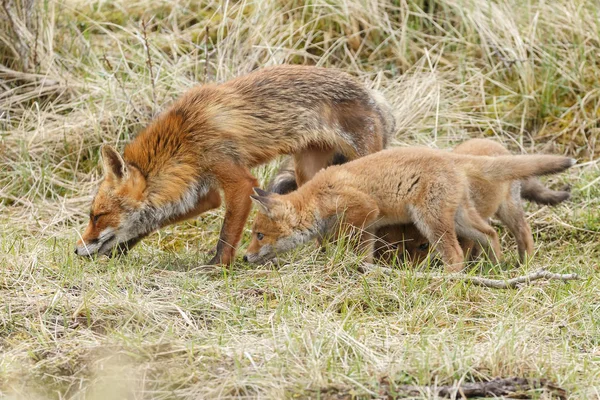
(494,388)
(476,280)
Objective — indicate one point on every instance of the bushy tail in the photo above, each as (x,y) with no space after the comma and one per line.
(284,180)
(505,168)
(534,190)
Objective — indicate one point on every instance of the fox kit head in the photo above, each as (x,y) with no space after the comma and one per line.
(405,242)
(278,227)
(115,208)
(415,247)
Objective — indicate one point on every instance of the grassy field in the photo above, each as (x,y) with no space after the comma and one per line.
(157,324)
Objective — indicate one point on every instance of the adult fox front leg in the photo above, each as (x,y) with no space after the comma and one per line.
(211,137)
(237,184)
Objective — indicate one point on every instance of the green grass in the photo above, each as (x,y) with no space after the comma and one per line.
(159,324)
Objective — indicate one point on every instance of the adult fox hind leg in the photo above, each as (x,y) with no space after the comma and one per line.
(512,215)
(310,161)
(363,131)
(237,184)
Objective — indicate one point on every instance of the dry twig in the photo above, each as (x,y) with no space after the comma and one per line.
(479,281)
(206,38)
(149,62)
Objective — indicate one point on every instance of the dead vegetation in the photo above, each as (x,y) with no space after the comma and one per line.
(156,324)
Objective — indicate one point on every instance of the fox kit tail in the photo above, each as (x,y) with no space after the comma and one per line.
(506,168)
(534,190)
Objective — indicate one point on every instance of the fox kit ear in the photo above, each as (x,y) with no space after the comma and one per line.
(265,204)
(261,193)
(113,163)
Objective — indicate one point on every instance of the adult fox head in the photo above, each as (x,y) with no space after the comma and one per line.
(279,227)
(116,208)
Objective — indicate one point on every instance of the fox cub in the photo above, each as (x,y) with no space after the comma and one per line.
(490,198)
(210,138)
(427,187)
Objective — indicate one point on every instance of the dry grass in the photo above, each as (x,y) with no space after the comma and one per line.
(76,74)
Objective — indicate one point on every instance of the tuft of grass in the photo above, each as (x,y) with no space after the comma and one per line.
(157,324)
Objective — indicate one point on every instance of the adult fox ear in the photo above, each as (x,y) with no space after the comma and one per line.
(113,163)
(265,204)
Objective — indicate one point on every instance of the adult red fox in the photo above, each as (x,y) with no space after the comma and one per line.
(490,198)
(426,187)
(210,138)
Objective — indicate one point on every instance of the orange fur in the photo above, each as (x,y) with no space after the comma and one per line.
(427,187)
(211,136)
(490,198)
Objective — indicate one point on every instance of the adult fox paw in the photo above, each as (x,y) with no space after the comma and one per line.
(221,259)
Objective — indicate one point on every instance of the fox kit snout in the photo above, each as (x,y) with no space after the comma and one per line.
(278,228)
(427,187)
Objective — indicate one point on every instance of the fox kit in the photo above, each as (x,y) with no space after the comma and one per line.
(427,187)
(490,198)
(210,138)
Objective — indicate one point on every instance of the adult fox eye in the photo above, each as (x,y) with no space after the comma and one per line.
(97,217)
(260,236)
(424,247)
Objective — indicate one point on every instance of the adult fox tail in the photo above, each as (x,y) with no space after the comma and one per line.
(284,180)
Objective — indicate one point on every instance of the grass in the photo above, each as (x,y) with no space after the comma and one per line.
(156,324)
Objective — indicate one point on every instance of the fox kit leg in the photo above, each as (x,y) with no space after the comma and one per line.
(237,184)
(470,248)
(361,214)
(365,243)
(470,225)
(441,233)
(310,161)
(511,214)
